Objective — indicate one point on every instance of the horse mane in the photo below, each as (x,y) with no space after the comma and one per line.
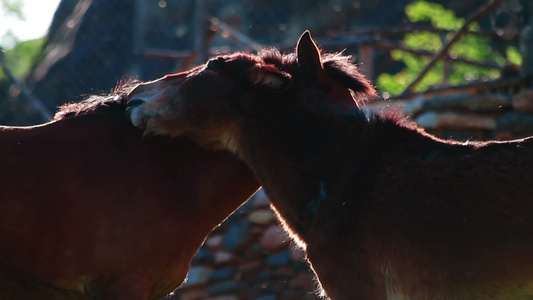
(116,100)
(336,65)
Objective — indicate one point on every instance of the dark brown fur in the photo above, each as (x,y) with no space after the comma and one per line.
(384,210)
(78,221)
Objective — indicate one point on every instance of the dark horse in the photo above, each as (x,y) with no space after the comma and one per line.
(384,210)
(77,221)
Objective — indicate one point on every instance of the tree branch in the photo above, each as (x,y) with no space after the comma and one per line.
(482,12)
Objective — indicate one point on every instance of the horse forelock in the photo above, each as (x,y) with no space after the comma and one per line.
(116,100)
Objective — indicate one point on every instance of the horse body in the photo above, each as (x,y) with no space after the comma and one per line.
(76,222)
(439,221)
(384,210)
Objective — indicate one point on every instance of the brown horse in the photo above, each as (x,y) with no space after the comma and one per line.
(384,210)
(77,221)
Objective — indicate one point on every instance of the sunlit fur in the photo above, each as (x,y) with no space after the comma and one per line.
(116,100)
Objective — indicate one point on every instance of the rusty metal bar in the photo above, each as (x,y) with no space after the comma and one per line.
(200,26)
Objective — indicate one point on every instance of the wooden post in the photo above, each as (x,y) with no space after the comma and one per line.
(200,26)
(139,29)
(366,60)
(526,46)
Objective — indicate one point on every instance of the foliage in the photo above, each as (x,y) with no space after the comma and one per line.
(12,7)
(471,47)
(22,57)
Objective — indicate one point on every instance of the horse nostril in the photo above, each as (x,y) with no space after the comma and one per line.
(135,102)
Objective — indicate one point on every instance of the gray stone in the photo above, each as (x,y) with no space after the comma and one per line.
(261,217)
(214,242)
(274,238)
(223,274)
(279,259)
(236,236)
(198,276)
(222,257)
(203,256)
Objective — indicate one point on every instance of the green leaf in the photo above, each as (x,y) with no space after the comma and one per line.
(440,17)
(22,57)
(513,55)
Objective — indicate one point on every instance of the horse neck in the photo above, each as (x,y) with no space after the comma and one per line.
(303,161)
(296,160)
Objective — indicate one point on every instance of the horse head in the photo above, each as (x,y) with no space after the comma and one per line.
(210,102)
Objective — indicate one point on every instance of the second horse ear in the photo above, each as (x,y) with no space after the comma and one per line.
(308,53)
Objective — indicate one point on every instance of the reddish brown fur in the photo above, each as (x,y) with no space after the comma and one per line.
(384,210)
(78,222)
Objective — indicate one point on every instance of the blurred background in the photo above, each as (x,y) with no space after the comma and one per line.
(460,69)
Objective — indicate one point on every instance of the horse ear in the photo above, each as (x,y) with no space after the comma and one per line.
(269,77)
(308,53)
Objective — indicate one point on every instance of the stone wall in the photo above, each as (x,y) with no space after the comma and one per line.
(249,256)
(471,113)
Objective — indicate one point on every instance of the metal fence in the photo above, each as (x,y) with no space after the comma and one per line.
(95,43)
